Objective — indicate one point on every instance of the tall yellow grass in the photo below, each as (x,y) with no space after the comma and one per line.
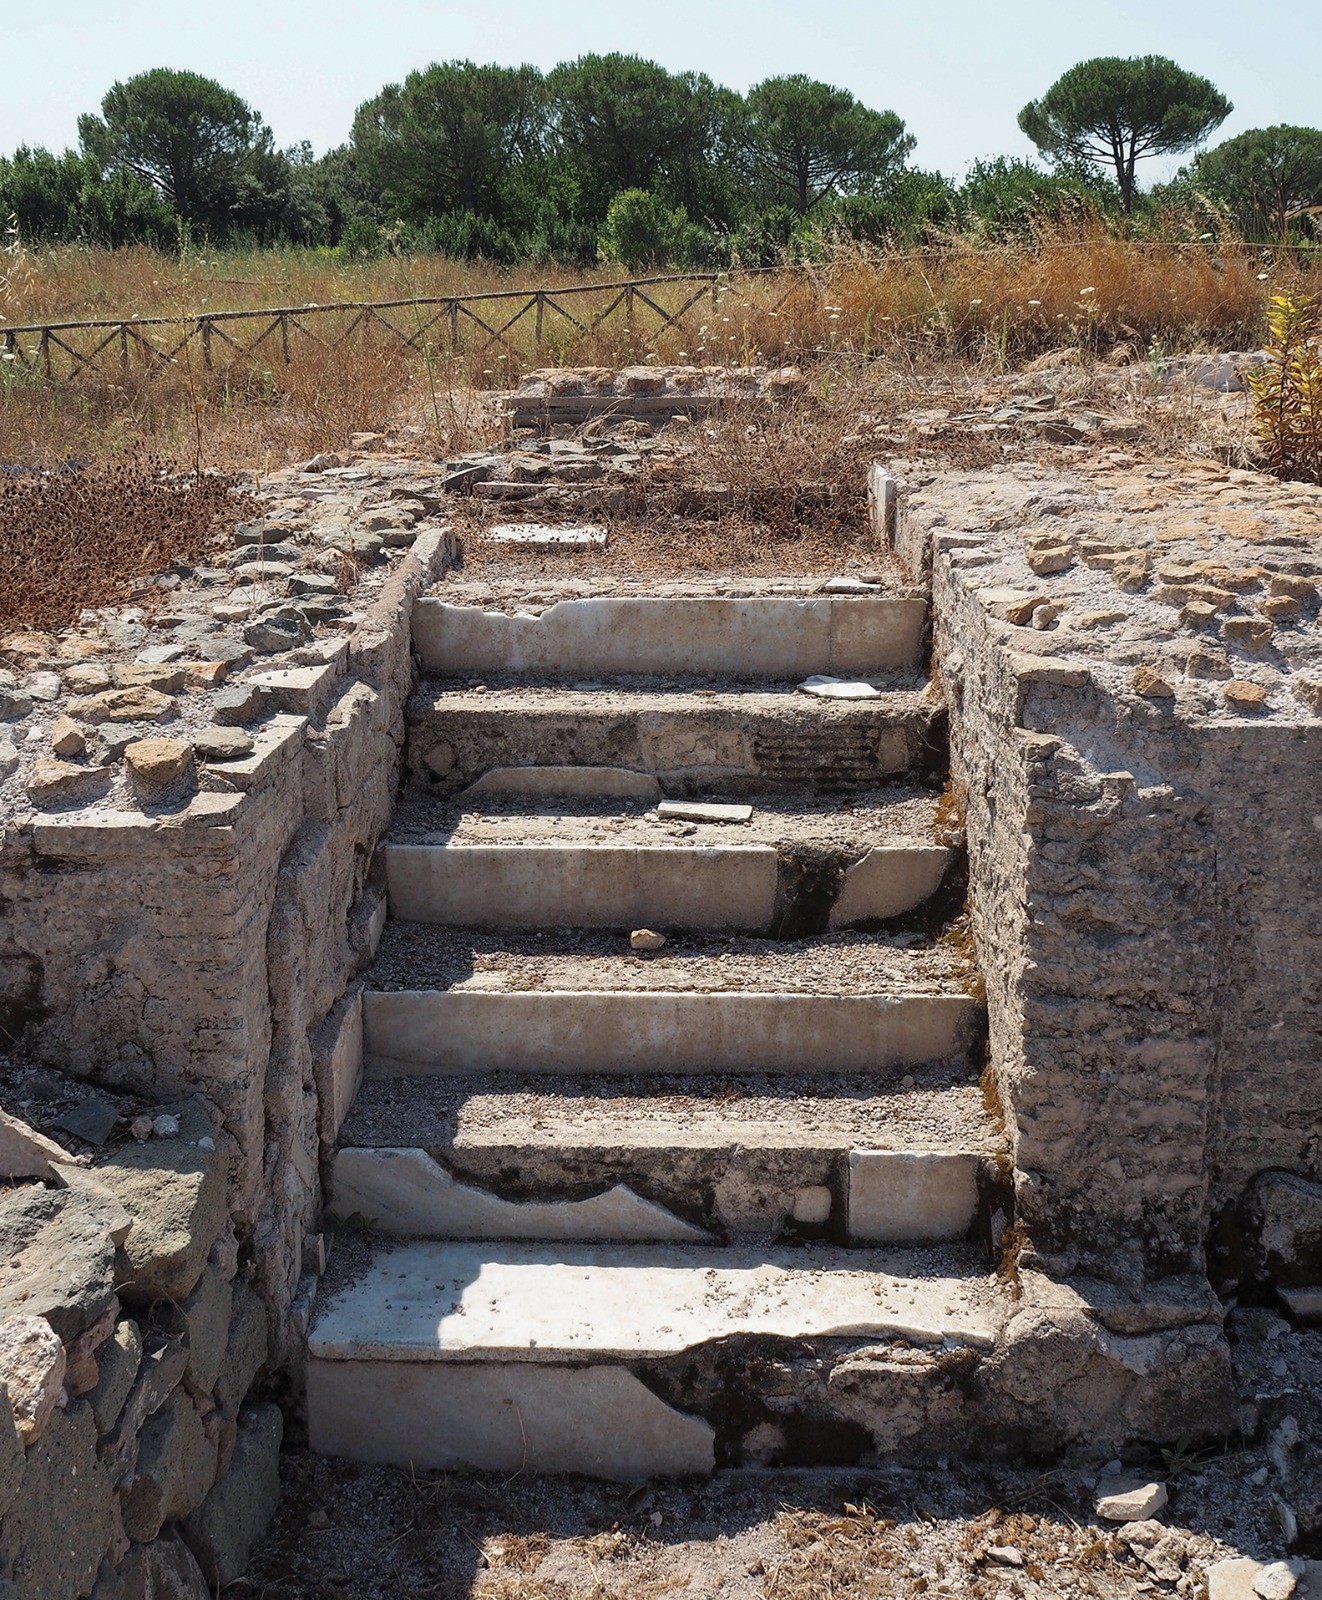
(991,307)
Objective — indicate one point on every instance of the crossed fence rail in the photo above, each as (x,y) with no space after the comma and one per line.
(63,350)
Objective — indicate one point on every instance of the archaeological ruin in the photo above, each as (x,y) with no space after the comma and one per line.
(472,1003)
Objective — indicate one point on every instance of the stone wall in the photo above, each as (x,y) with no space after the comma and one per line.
(136,1458)
(196,958)
(1145,860)
(208,945)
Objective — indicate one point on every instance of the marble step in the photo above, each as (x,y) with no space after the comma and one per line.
(486,860)
(441,1000)
(755,636)
(636,1361)
(670,1159)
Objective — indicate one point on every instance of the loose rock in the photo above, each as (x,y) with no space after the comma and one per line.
(32,1364)
(159,761)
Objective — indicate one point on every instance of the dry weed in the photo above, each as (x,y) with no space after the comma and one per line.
(1080,289)
(76,538)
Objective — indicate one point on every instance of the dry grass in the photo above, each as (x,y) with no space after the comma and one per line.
(75,539)
(994,307)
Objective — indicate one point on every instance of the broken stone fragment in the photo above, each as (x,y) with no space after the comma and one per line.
(53,780)
(124,705)
(1151,685)
(66,738)
(272,634)
(1207,662)
(240,703)
(1056,558)
(222,744)
(159,761)
(646,939)
(1242,695)
(174,1189)
(160,676)
(57,1259)
(1251,632)
(1130,1500)
(118,1361)
(32,1363)
(25,1153)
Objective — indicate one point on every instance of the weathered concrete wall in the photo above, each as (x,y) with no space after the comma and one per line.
(209,947)
(1144,871)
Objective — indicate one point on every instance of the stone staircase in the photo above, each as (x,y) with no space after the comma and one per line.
(639,1212)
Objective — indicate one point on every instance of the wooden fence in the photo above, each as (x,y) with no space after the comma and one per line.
(450,322)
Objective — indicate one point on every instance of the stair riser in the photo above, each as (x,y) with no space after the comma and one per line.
(740,638)
(724,749)
(632,1032)
(603,886)
(660,1194)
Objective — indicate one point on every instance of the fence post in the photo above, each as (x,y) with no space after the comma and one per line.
(284,336)
(454,326)
(204,323)
(541,306)
(628,308)
(43,349)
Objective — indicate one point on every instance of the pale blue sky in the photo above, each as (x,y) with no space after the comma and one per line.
(956,72)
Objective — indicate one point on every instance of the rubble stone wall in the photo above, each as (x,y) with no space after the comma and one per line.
(1145,862)
(201,956)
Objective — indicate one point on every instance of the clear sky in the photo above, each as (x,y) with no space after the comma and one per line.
(957,72)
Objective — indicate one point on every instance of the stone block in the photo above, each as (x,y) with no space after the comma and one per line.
(337,1059)
(175,1191)
(60,1523)
(911,1196)
(405,1192)
(118,1360)
(233,1517)
(247,1348)
(547,1031)
(889,881)
(580,886)
(57,1259)
(175,1469)
(206,1313)
(12,1452)
(598,1420)
(572,782)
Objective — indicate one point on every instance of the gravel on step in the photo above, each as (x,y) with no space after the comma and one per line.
(415,955)
(851,822)
(937,1108)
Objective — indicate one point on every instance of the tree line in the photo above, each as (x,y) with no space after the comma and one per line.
(614,157)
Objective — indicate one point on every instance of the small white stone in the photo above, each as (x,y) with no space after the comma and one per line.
(1131,1500)
(646,939)
(165,1126)
(1006,1555)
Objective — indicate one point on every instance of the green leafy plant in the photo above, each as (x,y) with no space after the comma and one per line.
(1287,389)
